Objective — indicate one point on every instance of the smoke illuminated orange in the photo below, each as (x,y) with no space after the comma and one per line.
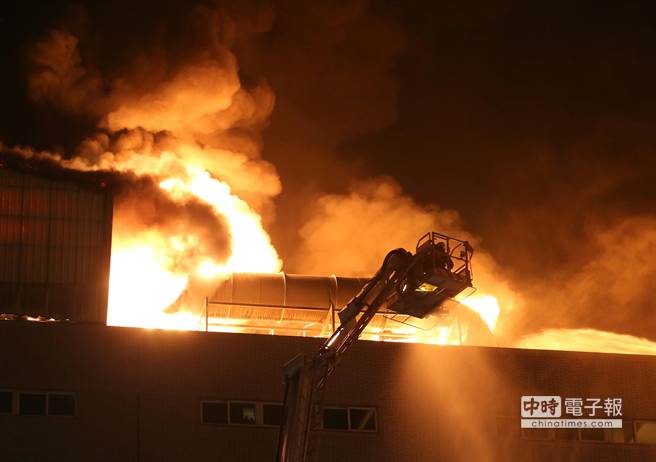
(589,340)
(486,306)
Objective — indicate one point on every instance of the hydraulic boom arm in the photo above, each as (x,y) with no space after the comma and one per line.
(406,283)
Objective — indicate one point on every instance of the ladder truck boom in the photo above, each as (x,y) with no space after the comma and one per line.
(405,283)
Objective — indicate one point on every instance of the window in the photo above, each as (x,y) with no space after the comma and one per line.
(61,404)
(645,432)
(214,412)
(335,419)
(6,402)
(362,419)
(32,403)
(272,414)
(243,413)
(639,431)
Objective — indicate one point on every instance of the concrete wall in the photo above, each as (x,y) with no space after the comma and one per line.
(139,393)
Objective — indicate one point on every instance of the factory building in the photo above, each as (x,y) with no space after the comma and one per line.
(72,388)
(74,391)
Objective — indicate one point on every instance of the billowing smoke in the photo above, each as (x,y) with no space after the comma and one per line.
(179,90)
(141,208)
(57,74)
(194,108)
(611,291)
(349,234)
(181,132)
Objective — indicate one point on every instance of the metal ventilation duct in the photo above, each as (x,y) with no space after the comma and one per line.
(282,302)
(301,305)
(287,290)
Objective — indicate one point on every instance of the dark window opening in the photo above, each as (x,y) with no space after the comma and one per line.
(6,402)
(363,419)
(272,414)
(214,413)
(61,404)
(335,419)
(242,414)
(32,404)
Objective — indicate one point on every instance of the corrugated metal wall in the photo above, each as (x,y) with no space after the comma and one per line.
(55,244)
(285,304)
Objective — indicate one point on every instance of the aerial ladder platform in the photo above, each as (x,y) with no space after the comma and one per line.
(410,284)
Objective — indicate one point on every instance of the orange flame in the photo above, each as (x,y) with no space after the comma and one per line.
(144,277)
(251,246)
(486,306)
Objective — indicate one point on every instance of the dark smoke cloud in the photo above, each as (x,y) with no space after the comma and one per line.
(332,66)
(58,76)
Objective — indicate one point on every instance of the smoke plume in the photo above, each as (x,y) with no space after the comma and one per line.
(349,234)
(611,291)
(548,161)
(180,131)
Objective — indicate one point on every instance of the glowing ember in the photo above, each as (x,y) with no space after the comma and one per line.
(589,340)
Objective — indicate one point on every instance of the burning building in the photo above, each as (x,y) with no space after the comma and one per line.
(143,242)
(216,394)
(109,393)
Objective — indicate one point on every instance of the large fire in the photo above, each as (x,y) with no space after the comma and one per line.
(195,131)
(151,269)
(145,279)
(486,306)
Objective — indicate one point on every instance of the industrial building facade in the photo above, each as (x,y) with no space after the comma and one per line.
(88,392)
(55,242)
(72,388)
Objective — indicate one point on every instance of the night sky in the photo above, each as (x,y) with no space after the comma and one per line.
(533,120)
